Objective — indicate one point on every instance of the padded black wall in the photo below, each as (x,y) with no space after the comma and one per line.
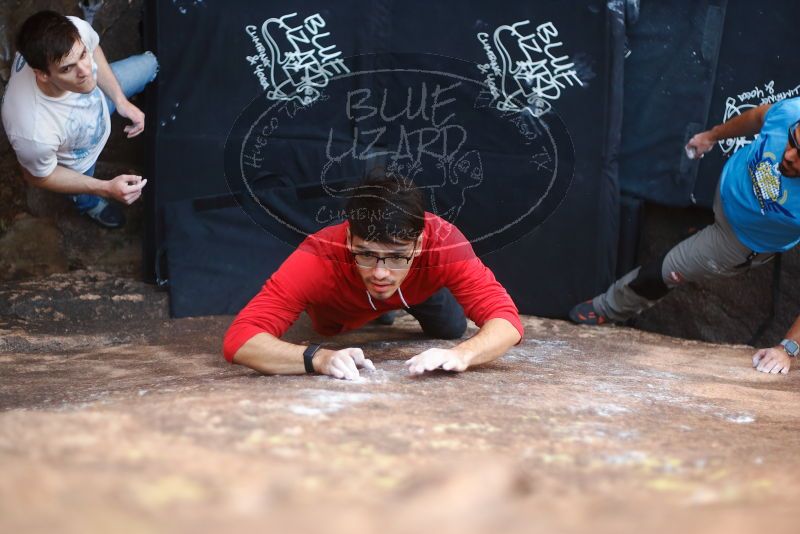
(669,77)
(755,67)
(693,65)
(218,257)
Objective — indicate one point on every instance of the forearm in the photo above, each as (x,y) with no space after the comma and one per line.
(63,180)
(106,79)
(494,338)
(270,355)
(794,331)
(747,124)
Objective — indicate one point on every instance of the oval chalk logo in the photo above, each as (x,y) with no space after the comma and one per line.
(495,174)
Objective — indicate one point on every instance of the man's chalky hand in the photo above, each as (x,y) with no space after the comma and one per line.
(129,111)
(699,144)
(446,359)
(773,360)
(126,188)
(342,363)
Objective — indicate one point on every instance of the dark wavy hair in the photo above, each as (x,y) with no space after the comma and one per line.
(386,208)
(46,37)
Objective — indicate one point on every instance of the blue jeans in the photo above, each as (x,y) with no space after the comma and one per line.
(441,316)
(133,74)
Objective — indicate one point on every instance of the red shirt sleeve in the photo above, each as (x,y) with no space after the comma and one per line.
(470,281)
(481,295)
(277,306)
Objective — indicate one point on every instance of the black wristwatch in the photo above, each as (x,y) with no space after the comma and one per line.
(308,356)
(791,347)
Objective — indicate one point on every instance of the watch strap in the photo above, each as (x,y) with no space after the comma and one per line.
(791,347)
(308,356)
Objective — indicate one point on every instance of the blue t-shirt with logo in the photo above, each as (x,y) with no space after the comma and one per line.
(771,223)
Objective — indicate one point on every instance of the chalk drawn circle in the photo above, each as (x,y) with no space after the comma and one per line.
(291,164)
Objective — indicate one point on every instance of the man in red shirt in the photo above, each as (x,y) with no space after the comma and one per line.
(389,254)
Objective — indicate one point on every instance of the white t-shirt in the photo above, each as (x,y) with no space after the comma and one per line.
(70,131)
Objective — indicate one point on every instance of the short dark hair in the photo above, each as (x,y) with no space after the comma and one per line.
(386,208)
(46,37)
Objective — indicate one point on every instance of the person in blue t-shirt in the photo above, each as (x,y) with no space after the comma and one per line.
(756,215)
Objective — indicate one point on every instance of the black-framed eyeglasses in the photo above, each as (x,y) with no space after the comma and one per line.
(792,135)
(393,262)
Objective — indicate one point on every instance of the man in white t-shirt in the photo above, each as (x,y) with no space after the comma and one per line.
(56,111)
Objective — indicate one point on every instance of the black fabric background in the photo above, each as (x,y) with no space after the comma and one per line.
(217,261)
(686,59)
(669,76)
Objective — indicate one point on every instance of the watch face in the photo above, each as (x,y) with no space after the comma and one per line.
(791,347)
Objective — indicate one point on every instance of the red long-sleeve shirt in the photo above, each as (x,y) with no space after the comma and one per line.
(321,278)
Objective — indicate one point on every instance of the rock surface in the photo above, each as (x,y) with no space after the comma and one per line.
(131,422)
(31,247)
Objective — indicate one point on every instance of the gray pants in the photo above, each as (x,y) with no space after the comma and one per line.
(713,252)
